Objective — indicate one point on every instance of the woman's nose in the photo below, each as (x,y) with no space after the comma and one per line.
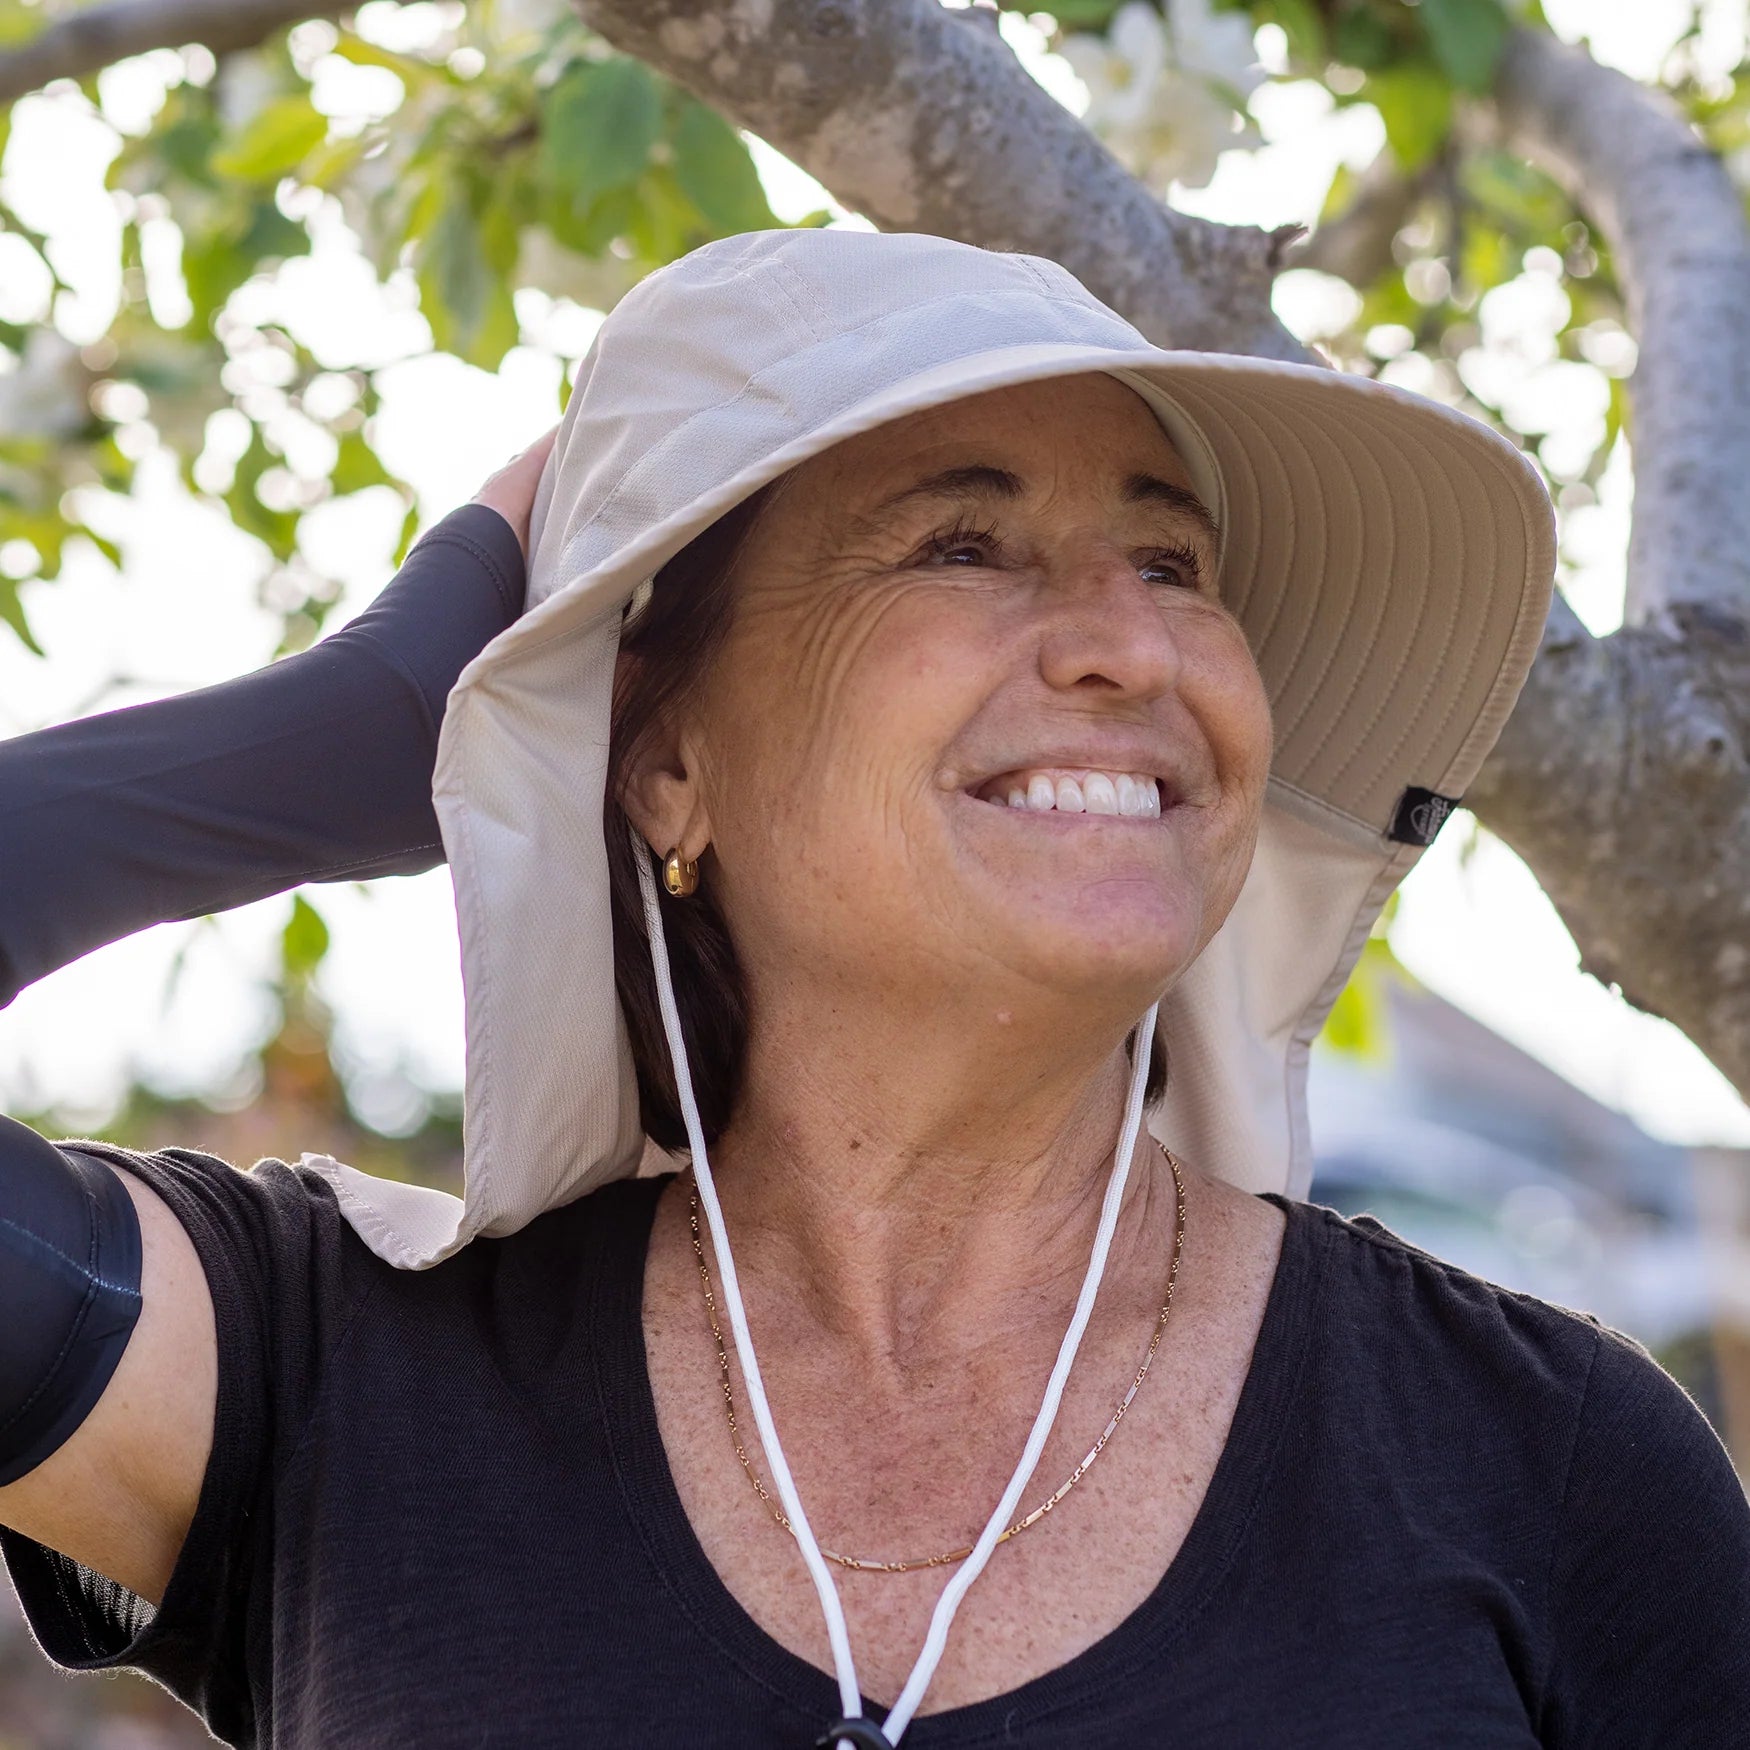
(1108,630)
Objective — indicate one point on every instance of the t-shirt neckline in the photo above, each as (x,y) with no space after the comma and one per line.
(653,1503)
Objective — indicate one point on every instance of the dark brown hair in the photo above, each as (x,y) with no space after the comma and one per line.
(665,649)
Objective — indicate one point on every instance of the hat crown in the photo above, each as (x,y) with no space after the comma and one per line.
(806,285)
(714,372)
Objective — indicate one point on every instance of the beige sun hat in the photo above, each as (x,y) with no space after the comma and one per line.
(1390,559)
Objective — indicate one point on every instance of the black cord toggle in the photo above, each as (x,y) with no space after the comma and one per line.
(865,1734)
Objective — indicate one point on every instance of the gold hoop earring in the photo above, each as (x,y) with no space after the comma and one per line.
(680,875)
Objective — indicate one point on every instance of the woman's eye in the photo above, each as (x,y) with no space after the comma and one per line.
(964,547)
(1179,570)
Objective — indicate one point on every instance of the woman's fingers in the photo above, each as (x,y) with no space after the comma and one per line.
(511,491)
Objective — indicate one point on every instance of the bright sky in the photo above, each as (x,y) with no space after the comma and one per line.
(183,611)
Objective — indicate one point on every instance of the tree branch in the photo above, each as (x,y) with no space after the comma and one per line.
(923,119)
(86,41)
(1623,775)
(1622,779)
(1677,231)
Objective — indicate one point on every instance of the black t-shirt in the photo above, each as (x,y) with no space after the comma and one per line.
(438,1513)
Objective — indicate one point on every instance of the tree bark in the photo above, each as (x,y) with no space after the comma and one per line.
(922,119)
(1623,778)
(1681,247)
(91,39)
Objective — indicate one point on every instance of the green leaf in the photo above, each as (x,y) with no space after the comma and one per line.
(1360,38)
(12,613)
(357,466)
(1077,14)
(1515,197)
(44,528)
(1487,260)
(1415,103)
(1359,1024)
(1387,301)
(589,233)
(246,233)
(714,170)
(278,139)
(111,550)
(1344,183)
(277,529)
(664,223)
(407,68)
(463,266)
(270,235)
(1467,37)
(304,940)
(1300,22)
(1616,415)
(599,121)
(186,136)
(333,161)
(404,541)
(452,276)
(212,269)
(18,24)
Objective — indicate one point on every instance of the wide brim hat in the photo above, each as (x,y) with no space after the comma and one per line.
(1389,558)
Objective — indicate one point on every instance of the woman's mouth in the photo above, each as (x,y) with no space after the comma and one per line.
(1061,790)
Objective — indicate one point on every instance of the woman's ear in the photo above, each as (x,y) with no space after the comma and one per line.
(663,795)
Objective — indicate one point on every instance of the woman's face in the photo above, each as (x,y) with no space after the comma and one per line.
(981,730)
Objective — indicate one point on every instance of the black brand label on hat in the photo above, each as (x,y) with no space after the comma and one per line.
(1420,815)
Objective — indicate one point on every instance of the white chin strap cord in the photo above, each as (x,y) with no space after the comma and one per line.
(936,1641)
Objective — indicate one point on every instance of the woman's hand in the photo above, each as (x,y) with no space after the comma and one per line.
(511,491)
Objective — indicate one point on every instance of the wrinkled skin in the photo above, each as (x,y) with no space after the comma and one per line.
(884,661)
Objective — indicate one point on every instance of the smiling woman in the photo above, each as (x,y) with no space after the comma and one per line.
(1028,725)
(898,640)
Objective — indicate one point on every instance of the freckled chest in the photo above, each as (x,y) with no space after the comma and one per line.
(917,1475)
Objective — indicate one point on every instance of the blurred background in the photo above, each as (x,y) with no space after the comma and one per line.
(265,312)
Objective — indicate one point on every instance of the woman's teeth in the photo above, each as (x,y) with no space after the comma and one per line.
(1078,793)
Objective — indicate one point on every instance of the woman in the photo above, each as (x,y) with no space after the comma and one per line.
(1002,681)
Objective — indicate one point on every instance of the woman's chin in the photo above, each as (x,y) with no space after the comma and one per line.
(1124,937)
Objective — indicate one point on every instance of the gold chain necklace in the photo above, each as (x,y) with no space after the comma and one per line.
(861,1564)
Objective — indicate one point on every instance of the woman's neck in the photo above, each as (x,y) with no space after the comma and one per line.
(916,1193)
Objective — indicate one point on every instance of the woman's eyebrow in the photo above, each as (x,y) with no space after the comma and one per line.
(981,480)
(974,480)
(1150,489)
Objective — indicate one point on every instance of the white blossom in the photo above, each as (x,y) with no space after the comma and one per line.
(1168,94)
(513,19)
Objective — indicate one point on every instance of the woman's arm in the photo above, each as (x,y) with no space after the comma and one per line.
(108,1363)
(316,768)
